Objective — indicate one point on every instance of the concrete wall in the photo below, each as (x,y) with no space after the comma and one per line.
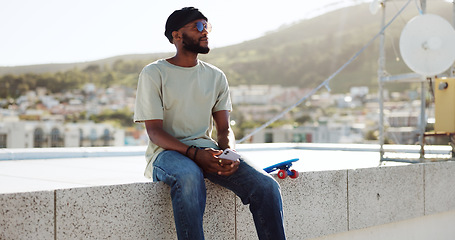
(344,204)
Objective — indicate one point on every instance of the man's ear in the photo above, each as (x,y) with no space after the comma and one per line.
(176,35)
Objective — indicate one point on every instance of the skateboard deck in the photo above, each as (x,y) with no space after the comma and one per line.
(284,169)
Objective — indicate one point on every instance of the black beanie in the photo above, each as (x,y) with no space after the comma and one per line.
(180,18)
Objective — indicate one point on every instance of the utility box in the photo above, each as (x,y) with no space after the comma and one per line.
(444,105)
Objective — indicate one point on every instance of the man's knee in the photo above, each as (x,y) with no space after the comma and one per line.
(267,188)
(271,185)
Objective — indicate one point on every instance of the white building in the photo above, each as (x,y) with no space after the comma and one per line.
(321,133)
(266,95)
(36,134)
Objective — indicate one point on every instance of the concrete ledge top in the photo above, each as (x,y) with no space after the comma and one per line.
(60,168)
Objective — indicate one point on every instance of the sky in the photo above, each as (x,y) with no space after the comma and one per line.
(67,31)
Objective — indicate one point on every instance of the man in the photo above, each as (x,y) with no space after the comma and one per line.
(179,99)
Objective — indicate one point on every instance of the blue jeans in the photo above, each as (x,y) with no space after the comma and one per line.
(188,193)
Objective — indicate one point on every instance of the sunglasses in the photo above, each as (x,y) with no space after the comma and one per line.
(201,25)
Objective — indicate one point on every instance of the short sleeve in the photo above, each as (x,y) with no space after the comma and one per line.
(223,101)
(149,104)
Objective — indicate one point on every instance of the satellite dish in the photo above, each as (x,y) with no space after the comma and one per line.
(427,44)
(374,6)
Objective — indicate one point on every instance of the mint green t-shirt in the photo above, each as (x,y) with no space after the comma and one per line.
(184,98)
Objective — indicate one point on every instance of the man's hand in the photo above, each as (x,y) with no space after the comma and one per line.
(208,160)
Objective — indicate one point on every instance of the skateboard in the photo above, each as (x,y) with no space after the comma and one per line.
(283,169)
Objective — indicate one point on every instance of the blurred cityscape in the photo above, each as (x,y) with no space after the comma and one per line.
(41,119)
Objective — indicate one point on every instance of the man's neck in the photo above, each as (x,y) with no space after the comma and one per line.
(184,60)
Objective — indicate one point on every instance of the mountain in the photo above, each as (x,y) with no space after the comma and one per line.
(303,54)
(307,53)
(61,67)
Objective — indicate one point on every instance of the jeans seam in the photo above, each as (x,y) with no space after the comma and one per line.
(176,189)
(182,221)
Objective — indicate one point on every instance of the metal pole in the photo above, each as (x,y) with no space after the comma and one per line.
(381,67)
(452,72)
(423,121)
(423,5)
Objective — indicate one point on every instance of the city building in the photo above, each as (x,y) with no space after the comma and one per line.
(39,134)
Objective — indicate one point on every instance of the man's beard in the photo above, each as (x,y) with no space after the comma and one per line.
(193,45)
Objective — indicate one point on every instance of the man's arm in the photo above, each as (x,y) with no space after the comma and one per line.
(225,135)
(225,139)
(163,139)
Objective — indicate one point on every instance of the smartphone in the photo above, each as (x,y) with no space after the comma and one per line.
(229,154)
